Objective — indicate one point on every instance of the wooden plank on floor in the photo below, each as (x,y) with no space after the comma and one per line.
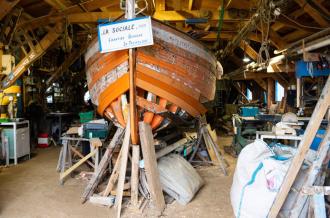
(150,165)
(312,127)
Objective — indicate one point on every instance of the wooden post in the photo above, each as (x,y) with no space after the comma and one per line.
(312,127)
(135,175)
(150,165)
(298,89)
(122,169)
(130,13)
(270,91)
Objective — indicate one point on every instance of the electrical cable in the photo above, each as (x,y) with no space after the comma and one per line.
(221,15)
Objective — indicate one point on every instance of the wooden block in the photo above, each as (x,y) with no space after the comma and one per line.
(95,142)
(150,165)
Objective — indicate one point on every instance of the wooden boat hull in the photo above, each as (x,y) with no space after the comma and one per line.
(175,73)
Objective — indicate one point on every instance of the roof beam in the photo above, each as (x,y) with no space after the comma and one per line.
(77,18)
(295,35)
(33,55)
(6,6)
(212,36)
(182,15)
(312,12)
(160,5)
(249,50)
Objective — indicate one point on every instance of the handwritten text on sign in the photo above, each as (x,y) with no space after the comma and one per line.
(125,34)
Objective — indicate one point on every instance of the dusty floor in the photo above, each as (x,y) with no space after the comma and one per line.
(31,189)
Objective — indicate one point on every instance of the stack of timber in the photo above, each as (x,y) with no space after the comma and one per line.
(173,78)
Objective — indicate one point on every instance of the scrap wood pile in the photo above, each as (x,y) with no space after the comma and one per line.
(123,173)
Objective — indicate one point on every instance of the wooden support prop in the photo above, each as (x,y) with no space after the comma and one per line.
(76,165)
(93,183)
(313,172)
(150,165)
(312,127)
(135,175)
(212,149)
(114,176)
(122,169)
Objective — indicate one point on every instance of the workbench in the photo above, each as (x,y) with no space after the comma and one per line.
(59,116)
(270,135)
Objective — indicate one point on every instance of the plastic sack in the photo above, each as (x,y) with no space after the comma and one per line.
(178,178)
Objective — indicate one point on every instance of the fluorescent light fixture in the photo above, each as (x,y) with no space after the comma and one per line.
(246,59)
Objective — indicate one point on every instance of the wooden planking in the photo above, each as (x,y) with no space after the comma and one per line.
(313,13)
(150,165)
(312,127)
(6,7)
(122,168)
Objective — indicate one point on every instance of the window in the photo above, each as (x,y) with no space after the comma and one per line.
(249,94)
(279,91)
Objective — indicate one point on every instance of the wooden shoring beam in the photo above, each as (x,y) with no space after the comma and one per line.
(33,55)
(313,13)
(150,165)
(6,6)
(103,165)
(313,126)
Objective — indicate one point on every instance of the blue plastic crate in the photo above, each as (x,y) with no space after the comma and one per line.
(249,111)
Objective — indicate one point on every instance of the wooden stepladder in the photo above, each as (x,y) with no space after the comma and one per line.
(311,130)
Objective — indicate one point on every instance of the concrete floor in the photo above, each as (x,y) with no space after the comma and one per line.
(31,189)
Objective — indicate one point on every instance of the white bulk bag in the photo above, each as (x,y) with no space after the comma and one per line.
(258,176)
